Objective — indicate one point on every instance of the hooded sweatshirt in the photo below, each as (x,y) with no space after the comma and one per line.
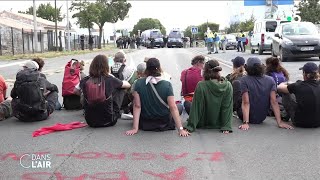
(212,106)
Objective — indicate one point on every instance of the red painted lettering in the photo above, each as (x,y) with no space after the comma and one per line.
(143,156)
(36,176)
(59,176)
(121,156)
(216,156)
(178,174)
(173,157)
(13,156)
(88,155)
(110,176)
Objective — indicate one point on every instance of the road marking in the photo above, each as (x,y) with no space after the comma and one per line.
(13,64)
(218,59)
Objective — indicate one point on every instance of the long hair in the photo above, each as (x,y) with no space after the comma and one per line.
(273,65)
(212,70)
(237,72)
(99,66)
(153,68)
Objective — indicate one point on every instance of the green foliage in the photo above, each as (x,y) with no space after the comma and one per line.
(148,23)
(100,12)
(245,26)
(309,11)
(46,11)
(85,15)
(201,30)
(234,27)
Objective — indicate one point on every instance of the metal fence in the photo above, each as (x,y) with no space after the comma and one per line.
(19,41)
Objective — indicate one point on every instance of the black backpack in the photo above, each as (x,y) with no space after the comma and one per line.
(30,92)
(118,74)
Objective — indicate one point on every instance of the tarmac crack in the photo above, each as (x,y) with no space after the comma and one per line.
(70,154)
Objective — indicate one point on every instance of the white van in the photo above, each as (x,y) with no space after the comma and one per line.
(263,32)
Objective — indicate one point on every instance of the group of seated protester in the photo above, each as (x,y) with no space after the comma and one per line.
(251,92)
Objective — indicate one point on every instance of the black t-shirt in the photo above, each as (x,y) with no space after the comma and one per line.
(308,99)
(100,114)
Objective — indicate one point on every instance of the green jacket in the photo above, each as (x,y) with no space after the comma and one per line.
(212,106)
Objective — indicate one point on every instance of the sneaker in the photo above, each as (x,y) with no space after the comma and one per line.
(234,114)
(126,116)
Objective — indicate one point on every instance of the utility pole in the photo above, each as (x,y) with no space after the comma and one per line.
(35,32)
(56,23)
(68,28)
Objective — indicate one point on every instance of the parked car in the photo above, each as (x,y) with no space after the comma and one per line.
(231,43)
(263,31)
(296,39)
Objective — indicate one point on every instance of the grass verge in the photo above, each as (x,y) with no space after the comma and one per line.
(53,54)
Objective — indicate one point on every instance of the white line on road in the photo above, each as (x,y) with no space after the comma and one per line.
(12,64)
(220,60)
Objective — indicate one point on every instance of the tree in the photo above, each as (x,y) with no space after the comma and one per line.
(46,11)
(101,12)
(202,29)
(234,27)
(245,26)
(85,15)
(248,24)
(148,23)
(309,11)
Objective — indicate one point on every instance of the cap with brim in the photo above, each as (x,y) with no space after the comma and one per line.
(252,61)
(238,61)
(310,67)
(31,65)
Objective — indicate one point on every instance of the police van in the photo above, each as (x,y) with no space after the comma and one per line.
(152,36)
(263,32)
(175,39)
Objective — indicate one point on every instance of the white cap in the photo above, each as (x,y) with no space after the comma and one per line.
(31,65)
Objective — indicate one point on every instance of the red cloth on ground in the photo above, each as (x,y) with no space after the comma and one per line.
(58,127)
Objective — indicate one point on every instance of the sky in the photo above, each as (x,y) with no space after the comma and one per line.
(172,14)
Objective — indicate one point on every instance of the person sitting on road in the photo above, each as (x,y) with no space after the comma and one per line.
(238,72)
(164,75)
(33,97)
(41,63)
(123,72)
(238,69)
(302,98)
(276,71)
(5,103)
(189,79)
(258,92)
(279,75)
(154,106)
(98,89)
(212,101)
(140,74)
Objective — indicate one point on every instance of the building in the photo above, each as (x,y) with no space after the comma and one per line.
(17,34)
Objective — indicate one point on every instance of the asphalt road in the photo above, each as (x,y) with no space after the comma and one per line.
(264,152)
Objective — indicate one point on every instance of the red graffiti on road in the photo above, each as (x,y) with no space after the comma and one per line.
(178,174)
(136,156)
